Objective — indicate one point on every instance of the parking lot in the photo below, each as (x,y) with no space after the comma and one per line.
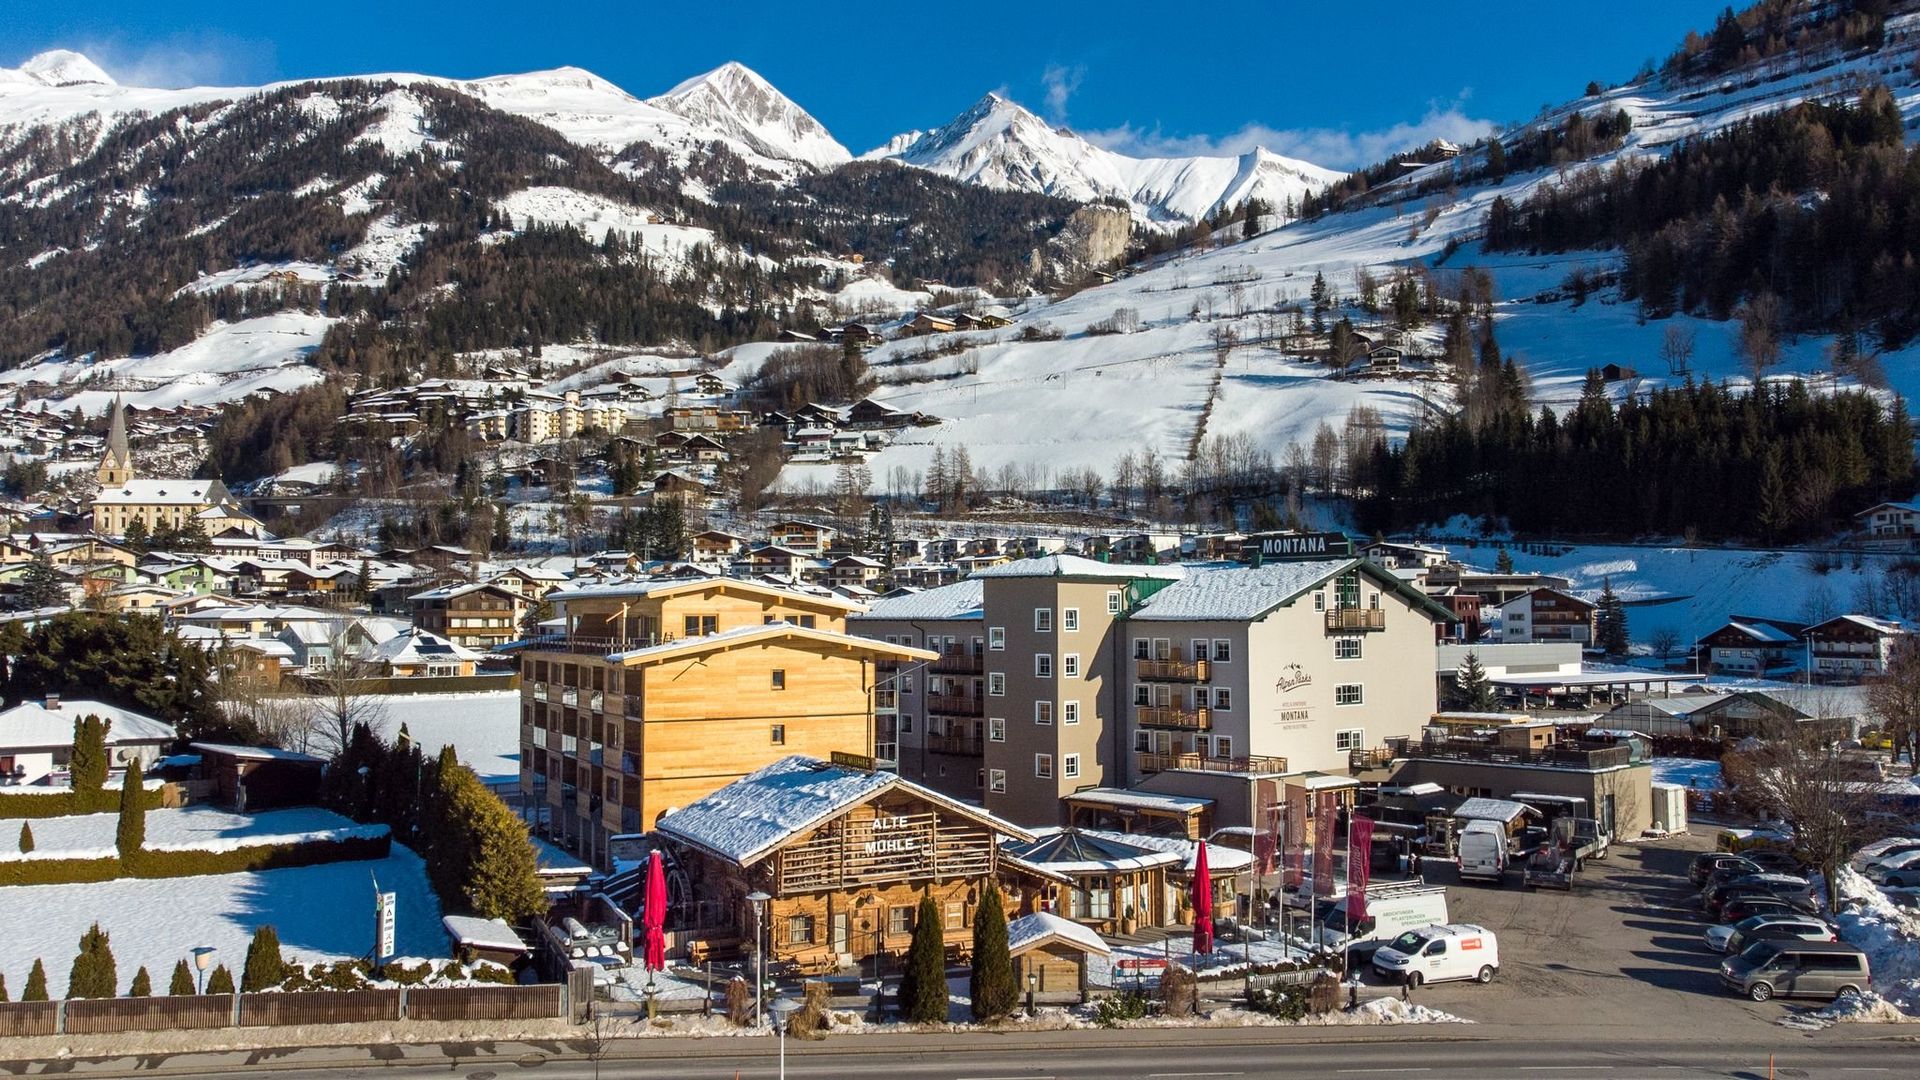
(1622,950)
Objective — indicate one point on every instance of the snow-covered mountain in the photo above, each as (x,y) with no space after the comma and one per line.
(1002,145)
(736,101)
(58,67)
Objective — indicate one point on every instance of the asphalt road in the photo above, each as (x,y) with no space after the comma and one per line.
(1150,1055)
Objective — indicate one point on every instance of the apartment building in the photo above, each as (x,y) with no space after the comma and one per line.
(1284,667)
(1547,615)
(938,733)
(659,692)
(479,615)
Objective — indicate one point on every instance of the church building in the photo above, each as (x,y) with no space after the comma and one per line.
(159,504)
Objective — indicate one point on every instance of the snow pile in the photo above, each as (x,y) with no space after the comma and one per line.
(1867,1008)
(1386,1010)
(1888,934)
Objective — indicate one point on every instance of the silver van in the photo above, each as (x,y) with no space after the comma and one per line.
(1820,969)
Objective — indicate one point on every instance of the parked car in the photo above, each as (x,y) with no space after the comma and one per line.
(1482,849)
(1807,929)
(1707,862)
(1440,953)
(1883,849)
(1746,907)
(1775,861)
(1717,937)
(1795,891)
(1897,871)
(1822,969)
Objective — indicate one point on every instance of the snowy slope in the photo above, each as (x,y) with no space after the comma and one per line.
(999,144)
(735,101)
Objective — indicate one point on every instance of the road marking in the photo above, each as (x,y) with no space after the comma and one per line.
(1381,1070)
(1570,1068)
(1199,1074)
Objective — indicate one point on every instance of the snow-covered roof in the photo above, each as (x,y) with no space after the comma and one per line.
(418,646)
(1765,632)
(1220,860)
(1078,567)
(257,753)
(1085,851)
(1243,592)
(1878,626)
(1030,931)
(1481,809)
(765,630)
(160,493)
(1142,800)
(481,933)
(30,725)
(748,818)
(640,587)
(449,592)
(960,600)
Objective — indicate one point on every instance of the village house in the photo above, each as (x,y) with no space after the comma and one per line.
(416,653)
(1851,648)
(1547,615)
(481,615)
(1118,883)
(1889,520)
(928,323)
(36,737)
(845,854)
(1750,645)
(802,536)
(173,505)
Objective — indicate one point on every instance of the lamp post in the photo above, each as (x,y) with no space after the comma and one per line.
(202,960)
(1033,983)
(783,1009)
(759,901)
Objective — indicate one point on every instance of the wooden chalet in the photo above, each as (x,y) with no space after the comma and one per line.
(844,851)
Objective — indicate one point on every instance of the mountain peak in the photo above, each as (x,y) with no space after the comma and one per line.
(739,102)
(61,67)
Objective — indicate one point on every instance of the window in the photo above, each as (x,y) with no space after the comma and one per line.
(806,622)
(906,724)
(1043,713)
(1113,603)
(1142,741)
(1319,601)
(1043,620)
(1346,648)
(1070,619)
(1070,766)
(1350,739)
(996,638)
(799,929)
(1200,648)
(1142,694)
(1222,650)
(956,915)
(980,778)
(779,678)
(1347,694)
(1142,649)
(1223,746)
(996,729)
(701,625)
(1069,712)
(900,920)
(1070,666)
(779,734)
(1043,665)
(1043,766)
(1222,699)
(906,684)
(997,780)
(1373,601)
(996,684)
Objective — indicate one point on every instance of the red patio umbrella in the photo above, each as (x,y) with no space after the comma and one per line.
(654,915)
(1202,903)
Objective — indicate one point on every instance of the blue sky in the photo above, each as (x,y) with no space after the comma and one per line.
(1340,84)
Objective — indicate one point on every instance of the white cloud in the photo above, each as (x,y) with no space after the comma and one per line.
(1060,83)
(184,60)
(1334,148)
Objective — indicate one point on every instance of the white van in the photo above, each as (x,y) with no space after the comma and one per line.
(1439,953)
(1483,851)
(1393,908)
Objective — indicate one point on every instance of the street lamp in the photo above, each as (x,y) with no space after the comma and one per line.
(760,938)
(1033,983)
(783,1010)
(202,960)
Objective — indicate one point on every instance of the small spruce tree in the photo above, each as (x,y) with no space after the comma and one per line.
(26,838)
(36,983)
(923,986)
(142,984)
(93,974)
(131,833)
(265,968)
(1503,564)
(88,765)
(1476,691)
(992,987)
(181,985)
(3,988)
(1610,621)
(221,981)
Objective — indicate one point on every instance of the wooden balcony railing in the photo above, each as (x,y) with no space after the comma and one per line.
(1352,618)
(960,662)
(968,745)
(956,705)
(1154,761)
(1173,670)
(1173,716)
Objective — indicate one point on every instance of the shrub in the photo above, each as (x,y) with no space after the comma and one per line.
(93,973)
(1119,1008)
(142,984)
(130,834)
(26,838)
(181,985)
(3,988)
(36,982)
(345,975)
(171,864)
(809,1021)
(739,1002)
(221,981)
(992,988)
(87,766)
(265,967)
(1284,1002)
(404,974)
(1178,989)
(923,985)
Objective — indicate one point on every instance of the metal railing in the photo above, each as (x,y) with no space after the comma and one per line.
(962,662)
(1566,757)
(1174,670)
(1154,761)
(1353,618)
(956,705)
(968,745)
(1173,716)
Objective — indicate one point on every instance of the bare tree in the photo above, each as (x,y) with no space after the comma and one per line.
(1894,700)
(1758,338)
(342,695)
(1676,348)
(1664,642)
(1799,774)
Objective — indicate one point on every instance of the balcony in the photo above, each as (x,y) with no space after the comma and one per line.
(1173,670)
(1154,761)
(1173,716)
(959,662)
(962,744)
(955,705)
(1353,618)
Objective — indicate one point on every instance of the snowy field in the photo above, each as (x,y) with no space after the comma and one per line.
(322,913)
(483,729)
(194,828)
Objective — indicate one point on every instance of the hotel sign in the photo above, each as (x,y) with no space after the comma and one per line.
(1297,546)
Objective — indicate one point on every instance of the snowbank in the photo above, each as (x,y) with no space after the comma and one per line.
(1890,936)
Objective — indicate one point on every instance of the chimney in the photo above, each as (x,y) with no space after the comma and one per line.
(53,702)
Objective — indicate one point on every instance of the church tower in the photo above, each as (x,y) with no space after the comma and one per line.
(116,466)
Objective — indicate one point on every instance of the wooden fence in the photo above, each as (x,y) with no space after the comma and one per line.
(106,1016)
(487,1003)
(29,1018)
(320,1007)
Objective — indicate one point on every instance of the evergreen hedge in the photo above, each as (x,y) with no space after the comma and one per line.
(175,864)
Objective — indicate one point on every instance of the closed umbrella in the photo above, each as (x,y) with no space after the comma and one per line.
(654,916)
(1202,903)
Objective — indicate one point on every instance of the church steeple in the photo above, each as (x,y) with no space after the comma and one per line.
(116,466)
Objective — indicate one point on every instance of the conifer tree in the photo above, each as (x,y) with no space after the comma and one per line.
(1476,693)
(88,765)
(923,985)
(264,968)
(992,987)
(4,998)
(36,983)
(26,838)
(1610,621)
(93,974)
(142,984)
(221,981)
(181,985)
(40,585)
(1504,563)
(131,833)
